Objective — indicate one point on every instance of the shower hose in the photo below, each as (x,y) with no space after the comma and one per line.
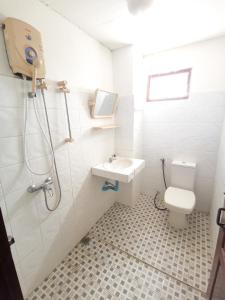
(165,185)
(48,141)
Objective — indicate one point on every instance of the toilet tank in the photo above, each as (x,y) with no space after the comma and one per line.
(183,174)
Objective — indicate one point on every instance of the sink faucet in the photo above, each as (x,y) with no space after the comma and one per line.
(112,158)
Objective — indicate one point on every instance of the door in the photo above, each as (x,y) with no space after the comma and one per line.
(9,283)
(216,287)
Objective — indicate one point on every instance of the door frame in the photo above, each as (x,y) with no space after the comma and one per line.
(218,262)
(9,283)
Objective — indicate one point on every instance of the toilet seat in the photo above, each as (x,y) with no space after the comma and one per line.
(179,200)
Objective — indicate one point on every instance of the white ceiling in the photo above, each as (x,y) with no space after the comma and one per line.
(167,24)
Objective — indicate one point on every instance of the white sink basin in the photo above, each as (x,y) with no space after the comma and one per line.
(122,169)
(120,164)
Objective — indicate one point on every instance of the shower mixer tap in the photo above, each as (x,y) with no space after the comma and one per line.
(45,186)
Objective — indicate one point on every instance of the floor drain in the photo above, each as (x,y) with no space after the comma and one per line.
(85,241)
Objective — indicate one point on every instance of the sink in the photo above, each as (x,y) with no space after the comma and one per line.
(120,164)
(122,169)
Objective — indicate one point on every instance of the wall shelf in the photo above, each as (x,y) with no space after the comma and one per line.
(108,126)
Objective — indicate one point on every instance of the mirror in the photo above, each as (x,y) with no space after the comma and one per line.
(104,105)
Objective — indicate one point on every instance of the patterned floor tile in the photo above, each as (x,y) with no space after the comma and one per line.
(101,271)
(144,232)
(134,254)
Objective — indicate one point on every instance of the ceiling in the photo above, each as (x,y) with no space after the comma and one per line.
(167,24)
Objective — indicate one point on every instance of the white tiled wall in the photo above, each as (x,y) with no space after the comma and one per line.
(138,133)
(44,238)
(125,119)
(128,142)
(188,129)
(184,130)
(69,53)
(129,136)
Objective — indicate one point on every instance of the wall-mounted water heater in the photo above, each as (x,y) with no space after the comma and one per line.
(24,49)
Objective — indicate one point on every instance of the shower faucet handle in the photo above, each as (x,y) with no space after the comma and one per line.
(48,180)
(32,188)
(44,186)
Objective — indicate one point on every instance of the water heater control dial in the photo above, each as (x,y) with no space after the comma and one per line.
(30,54)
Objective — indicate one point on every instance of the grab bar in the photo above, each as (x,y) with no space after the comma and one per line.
(63,88)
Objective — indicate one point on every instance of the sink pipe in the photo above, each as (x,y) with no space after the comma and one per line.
(110,186)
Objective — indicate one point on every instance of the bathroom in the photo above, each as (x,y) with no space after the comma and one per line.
(89,201)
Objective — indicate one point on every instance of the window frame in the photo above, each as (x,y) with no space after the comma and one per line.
(187,70)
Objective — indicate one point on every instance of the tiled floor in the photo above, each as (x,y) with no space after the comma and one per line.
(101,271)
(134,254)
(144,232)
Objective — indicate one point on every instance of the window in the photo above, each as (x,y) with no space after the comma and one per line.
(169,86)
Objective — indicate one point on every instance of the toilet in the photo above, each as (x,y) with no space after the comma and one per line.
(179,197)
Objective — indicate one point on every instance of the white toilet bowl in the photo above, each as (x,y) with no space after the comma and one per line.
(179,202)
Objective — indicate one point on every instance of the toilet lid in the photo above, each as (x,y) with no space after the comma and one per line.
(179,199)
